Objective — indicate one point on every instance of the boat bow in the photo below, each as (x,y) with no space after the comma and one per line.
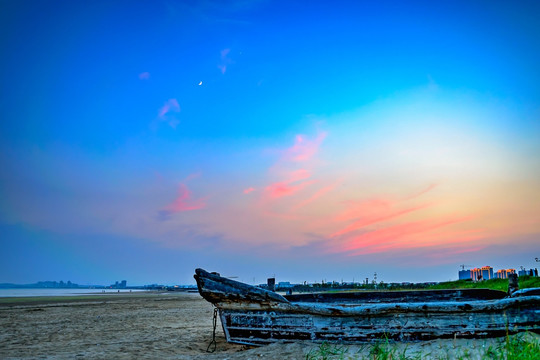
(217,289)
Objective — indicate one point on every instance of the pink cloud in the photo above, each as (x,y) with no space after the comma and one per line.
(170,105)
(144,76)
(393,237)
(304,148)
(281,189)
(164,113)
(300,174)
(288,187)
(356,209)
(435,249)
(375,211)
(368,232)
(249,190)
(322,191)
(370,220)
(287,193)
(449,238)
(184,202)
(422,192)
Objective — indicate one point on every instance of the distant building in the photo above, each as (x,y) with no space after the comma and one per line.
(529,272)
(271,283)
(284,285)
(119,285)
(476,274)
(503,273)
(487,272)
(465,274)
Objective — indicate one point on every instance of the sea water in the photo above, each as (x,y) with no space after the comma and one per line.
(61,292)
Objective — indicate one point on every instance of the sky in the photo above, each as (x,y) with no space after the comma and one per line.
(298,139)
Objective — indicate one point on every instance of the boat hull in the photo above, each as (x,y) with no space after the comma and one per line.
(263,326)
(254,316)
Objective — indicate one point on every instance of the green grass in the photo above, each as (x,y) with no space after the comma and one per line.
(514,348)
(523,346)
(327,351)
(526,282)
(494,284)
(383,350)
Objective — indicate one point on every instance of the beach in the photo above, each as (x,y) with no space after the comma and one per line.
(155,326)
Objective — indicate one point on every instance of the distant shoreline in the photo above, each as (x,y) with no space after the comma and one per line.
(84,298)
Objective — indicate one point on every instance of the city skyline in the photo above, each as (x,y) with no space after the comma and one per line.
(473,273)
(143,140)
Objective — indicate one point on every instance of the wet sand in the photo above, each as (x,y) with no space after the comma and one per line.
(154,326)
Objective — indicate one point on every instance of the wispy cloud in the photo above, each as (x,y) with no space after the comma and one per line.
(355,209)
(378,210)
(192,176)
(319,193)
(429,188)
(287,166)
(249,190)
(165,113)
(183,202)
(294,176)
(289,186)
(225,60)
(404,235)
(368,220)
(304,148)
(170,105)
(144,75)
(382,224)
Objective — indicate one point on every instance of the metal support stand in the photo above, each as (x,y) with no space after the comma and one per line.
(213,342)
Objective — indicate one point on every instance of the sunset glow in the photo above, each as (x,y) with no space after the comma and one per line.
(241,137)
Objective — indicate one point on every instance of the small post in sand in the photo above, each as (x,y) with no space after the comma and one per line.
(513,285)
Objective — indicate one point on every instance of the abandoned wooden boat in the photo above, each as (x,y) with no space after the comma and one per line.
(254,316)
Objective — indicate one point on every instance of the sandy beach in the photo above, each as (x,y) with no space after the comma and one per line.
(154,326)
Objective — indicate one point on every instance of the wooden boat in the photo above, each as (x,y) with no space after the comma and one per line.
(255,316)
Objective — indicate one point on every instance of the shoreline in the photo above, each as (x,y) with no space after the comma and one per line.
(8,301)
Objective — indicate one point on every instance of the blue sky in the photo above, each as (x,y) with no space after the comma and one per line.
(244,135)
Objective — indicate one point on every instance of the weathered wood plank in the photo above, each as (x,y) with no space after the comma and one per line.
(526,292)
(399,296)
(215,288)
(251,315)
(343,310)
(264,327)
